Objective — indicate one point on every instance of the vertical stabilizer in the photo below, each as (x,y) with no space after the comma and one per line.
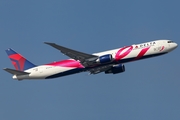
(19,62)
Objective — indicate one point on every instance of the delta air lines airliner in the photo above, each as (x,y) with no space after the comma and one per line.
(109,62)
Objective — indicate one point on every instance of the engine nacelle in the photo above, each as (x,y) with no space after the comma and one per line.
(105,59)
(116,69)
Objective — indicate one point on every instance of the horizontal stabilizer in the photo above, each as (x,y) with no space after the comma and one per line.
(15,72)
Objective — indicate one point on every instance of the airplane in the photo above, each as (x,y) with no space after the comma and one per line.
(109,62)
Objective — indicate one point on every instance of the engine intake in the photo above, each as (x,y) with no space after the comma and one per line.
(105,59)
(116,69)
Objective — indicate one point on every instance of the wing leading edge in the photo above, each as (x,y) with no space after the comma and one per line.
(85,59)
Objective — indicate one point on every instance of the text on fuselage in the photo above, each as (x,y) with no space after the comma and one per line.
(145,45)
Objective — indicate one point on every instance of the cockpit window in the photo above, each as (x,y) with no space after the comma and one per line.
(170,41)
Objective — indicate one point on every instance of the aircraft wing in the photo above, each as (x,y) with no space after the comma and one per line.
(84,58)
(15,72)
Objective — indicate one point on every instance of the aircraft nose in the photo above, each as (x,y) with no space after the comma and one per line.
(172,46)
(175,45)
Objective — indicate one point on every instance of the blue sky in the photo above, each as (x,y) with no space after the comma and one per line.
(148,90)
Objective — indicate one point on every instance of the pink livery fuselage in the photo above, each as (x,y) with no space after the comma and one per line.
(108,61)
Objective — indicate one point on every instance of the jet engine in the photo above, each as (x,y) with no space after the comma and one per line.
(116,69)
(105,59)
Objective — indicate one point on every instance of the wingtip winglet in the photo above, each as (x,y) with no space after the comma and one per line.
(49,43)
(5,68)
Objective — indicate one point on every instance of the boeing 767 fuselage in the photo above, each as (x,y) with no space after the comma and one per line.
(109,62)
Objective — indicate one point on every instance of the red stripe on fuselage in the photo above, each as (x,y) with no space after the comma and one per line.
(162,48)
(120,56)
(67,63)
(142,52)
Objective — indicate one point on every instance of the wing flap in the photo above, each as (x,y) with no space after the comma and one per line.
(15,72)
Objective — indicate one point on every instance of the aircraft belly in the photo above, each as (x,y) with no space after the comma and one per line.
(48,71)
(66,72)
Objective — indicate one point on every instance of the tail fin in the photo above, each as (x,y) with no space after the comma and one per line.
(19,62)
